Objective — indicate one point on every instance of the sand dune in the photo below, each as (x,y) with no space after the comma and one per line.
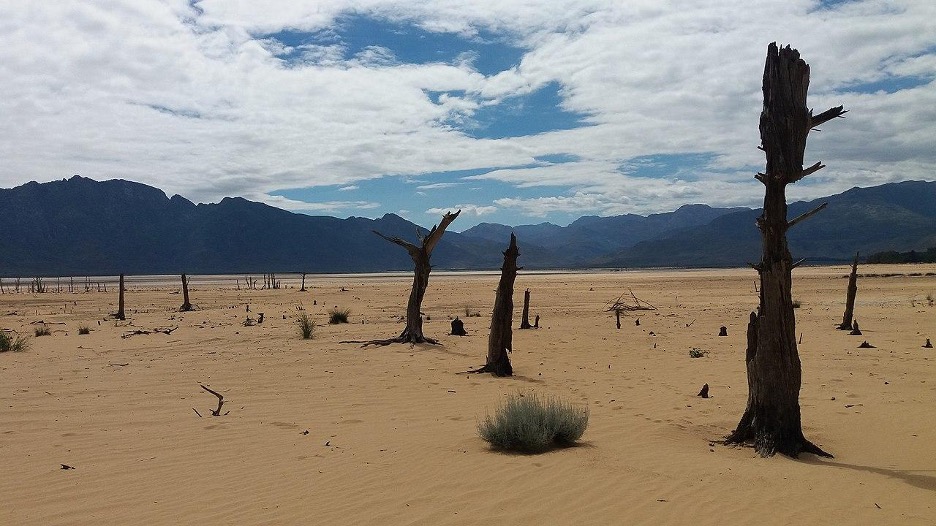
(320,432)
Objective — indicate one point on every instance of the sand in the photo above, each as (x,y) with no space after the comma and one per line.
(321,432)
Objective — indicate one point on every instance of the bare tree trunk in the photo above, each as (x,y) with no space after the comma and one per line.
(186,305)
(302,288)
(771,420)
(525,317)
(500,340)
(850,297)
(120,302)
(420,255)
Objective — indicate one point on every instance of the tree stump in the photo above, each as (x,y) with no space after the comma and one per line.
(458,328)
(850,296)
(855,330)
(120,301)
(723,331)
(771,419)
(525,316)
(500,340)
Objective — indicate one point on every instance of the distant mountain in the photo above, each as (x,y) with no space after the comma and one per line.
(83,227)
(583,242)
(80,226)
(895,216)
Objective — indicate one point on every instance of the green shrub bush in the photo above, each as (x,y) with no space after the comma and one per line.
(530,424)
(8,343)
(337,315)
(306,326)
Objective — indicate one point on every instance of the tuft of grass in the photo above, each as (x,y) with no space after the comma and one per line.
(84,329)
(530,424)
(337,315)
(797,304)
(17,344)
(306,326)
(42,330)
(697,353)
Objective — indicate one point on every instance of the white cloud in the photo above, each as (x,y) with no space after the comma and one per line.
(191,100)
(468,210)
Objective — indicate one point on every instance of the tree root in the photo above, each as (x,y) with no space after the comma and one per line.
(766,444)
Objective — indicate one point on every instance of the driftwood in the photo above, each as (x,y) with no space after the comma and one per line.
(214,412)
(160,330)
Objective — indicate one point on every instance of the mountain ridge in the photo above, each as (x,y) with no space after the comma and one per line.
(79,226)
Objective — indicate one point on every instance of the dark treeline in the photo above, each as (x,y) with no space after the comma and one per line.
(892,256)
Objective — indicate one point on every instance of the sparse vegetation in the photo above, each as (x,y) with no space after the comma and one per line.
(42,330)
(471,313)
(797,304)
(84,329)
(929,299)
(337,315)
(530,424)
(697,353)
(14,344)
(306,326)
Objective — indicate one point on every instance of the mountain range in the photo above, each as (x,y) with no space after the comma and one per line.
(79,226)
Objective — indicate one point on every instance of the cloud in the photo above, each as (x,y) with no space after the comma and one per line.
(468,210)
(198,99)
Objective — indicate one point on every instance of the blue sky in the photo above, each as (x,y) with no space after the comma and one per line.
(516,112)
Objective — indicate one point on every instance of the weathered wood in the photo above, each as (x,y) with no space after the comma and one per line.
(120,301)
(420,255)
(500,340)
(771,420)
(850,294)
(214,412)
(525,317)
(186,305)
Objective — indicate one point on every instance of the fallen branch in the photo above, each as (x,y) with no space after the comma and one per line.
(214,412)
(167,330)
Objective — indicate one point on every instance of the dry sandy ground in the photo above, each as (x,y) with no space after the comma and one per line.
(321,432)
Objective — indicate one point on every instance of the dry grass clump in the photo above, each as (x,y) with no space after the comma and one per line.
(14,344)
(43,330)
(530,424)
(337,315)
(306,326)
(84,329)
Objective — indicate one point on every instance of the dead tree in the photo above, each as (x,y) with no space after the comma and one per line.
(413,332)
(302,288)
(186,305)
(120,302)
(620,305)
(525,317)
(850,297)
(500,340)
(771,420)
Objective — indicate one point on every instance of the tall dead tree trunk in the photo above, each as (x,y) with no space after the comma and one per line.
(500,340)
(120,301)
(186,305)
(525,317)
(302,288)
(771,420)
(413,332)
(850,297)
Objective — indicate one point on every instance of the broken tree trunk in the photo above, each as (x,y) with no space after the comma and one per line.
(525,317)
(420,255)
(500,340)
(120,301)
(186,305)
(850,297)
(771,420)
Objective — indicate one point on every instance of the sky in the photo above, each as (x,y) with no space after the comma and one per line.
(514,111)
